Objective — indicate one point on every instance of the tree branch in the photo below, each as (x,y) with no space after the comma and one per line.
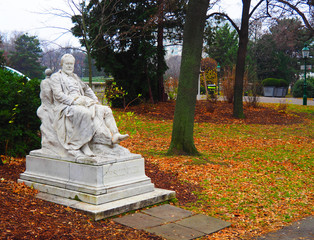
(302,15)
(227,17)
(256,6)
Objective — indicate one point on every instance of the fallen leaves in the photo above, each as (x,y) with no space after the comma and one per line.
(256,173)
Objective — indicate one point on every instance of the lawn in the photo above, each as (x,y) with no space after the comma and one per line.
(256,173)
(257,176)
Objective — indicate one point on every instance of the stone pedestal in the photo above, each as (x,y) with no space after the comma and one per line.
(93,186)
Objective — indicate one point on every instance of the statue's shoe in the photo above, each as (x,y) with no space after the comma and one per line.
(116,138)
(77,153)
(87,151)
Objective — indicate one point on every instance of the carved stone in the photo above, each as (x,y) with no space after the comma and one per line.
(80,163)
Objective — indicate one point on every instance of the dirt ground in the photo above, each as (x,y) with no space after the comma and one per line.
(22,216)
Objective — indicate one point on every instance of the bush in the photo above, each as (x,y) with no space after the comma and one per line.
(19,100)
(202,90)
(113,92)
(283,83)
(274,82)
(252,98)
(297,90)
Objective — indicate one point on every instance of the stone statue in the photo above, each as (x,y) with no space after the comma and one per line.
(80,163)
(74,123)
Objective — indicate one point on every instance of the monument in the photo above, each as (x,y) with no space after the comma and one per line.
(80,163)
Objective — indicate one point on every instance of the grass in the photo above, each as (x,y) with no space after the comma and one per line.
(96,79)
(258,177)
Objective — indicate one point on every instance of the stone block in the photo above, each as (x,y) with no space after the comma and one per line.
(93,183)
(98,212)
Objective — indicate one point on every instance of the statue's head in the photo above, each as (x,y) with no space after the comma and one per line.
(67,63)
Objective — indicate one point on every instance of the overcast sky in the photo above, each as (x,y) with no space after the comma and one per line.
(32,16)
(29,16)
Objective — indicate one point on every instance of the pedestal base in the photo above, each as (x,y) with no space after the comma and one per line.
(104,188)
(98,212)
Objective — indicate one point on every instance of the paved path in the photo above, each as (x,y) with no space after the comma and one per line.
(297,101)
(173,223)
(298,230)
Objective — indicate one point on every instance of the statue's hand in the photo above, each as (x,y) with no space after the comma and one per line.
(89,102)
(80,101)
(84,101)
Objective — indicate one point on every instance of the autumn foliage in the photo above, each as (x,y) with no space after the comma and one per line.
(255,173)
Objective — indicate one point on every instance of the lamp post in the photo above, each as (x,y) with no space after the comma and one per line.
(218,70)
(305,55)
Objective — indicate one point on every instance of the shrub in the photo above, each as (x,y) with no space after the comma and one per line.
(19,100)
(297,90)
(227,83)
(228,86)
(171,87)
(113,92)
(252,98)
(202,90)
(274,82)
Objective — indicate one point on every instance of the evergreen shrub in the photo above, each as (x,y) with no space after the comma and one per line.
(274,82)
(19,100)
(297,90)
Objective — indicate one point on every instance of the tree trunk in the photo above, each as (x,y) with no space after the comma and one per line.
(151,98)
(90,73)
(160,53)
(182,141)
(240,67)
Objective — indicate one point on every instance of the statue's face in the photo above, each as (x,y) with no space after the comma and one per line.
(68,65)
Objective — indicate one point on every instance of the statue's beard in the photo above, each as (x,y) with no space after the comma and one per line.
(69,72)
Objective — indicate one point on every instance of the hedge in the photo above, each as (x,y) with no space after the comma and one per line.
(19,100)
(274,82)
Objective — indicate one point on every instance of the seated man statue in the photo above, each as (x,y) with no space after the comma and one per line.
(79,122)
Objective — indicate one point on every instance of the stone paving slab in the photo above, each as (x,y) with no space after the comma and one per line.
(204,223)
(173,223)
(168,212)
(174,231)
(140,221)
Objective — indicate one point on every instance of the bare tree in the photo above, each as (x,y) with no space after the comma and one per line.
(302,8)
(78,12)
(270,7)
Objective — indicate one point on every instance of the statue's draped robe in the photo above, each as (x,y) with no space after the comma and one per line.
(67,126)
(73,123)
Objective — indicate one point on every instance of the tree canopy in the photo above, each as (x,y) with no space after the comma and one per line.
(26,57)
(276,52)
(125,43)
(221,44)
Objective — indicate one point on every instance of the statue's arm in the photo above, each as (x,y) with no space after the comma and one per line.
(88,92)
(57,91)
